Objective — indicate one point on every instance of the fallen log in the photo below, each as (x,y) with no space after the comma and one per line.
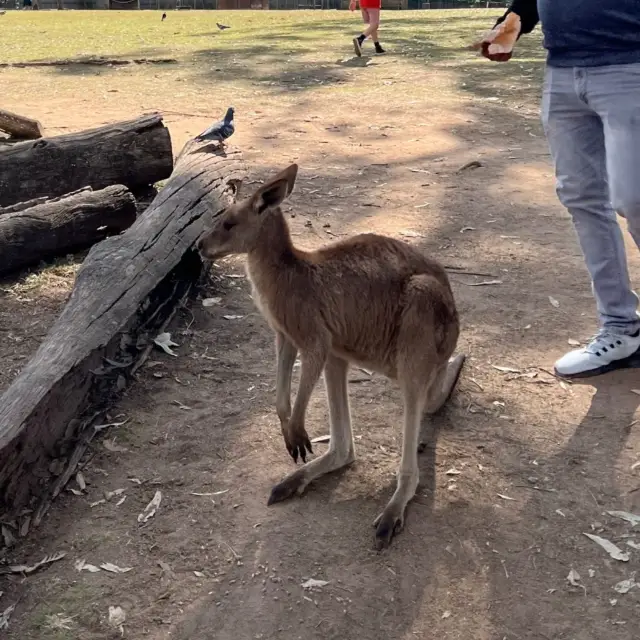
(63,225)
(19,126)
(98,61)
(124,292)
(135,153)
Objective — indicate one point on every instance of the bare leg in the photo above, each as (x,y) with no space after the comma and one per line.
(369,30)
(391,519)
(295,435)
(341,448)
(286,354)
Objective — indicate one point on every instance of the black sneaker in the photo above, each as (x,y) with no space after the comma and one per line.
(379,49)
(357,47)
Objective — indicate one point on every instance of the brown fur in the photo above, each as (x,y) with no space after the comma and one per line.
(370,300)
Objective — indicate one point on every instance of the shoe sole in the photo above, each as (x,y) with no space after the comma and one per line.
(357,48)
(630,362)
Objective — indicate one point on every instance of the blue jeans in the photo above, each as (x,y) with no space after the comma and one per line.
(592,121)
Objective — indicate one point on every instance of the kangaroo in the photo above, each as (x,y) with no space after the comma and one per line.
(370,300)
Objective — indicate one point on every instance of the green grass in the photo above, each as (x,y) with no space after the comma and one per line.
(271,52)
(27,36)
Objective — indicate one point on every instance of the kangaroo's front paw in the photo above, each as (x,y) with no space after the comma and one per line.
(297,441)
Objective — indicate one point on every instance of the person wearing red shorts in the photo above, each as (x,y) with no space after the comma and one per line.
(370,10)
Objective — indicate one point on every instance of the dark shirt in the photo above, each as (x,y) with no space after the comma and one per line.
(584,33)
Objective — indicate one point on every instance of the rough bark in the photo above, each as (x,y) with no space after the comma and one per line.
(64,225)
(134,153)
(125,290)
(19,126)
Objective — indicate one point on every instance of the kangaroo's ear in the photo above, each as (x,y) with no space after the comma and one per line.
(273,193)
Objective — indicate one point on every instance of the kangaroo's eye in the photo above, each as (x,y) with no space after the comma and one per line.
(227,225)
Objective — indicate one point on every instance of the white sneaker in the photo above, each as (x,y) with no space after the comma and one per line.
(606,352)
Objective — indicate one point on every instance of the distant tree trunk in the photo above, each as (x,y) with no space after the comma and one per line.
(60,4)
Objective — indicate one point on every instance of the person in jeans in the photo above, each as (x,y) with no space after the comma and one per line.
(370,10)
(591,117)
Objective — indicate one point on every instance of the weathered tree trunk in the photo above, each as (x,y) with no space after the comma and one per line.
(124,292)
(19,126)
(134,153)
(63,225)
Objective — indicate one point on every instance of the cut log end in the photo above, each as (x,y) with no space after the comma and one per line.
(60,226)
(20,127)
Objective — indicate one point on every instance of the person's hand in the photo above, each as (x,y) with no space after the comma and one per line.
(494,57)
(352,5)
(497,45)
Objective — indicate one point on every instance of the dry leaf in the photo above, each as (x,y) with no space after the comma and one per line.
(506,369)
(151,508)
(453,472)
(624,586)
(114,448)
(501,495)
(574,579)
(320,439)
(59,622)
(482,283)
(312,582)
(80,480)
(573,343)
(231,317)
(121,501)
(113,494)
(554,302)
(633,545)
(625,515)
(5,615)
(446,614)
(198,574)
(167,570)
(100,427)
(81,565)
(615,552)
(636,391)
(8,537)
(113,568)
(209,302)
(214,493)
(27,569)
(163,340)
(97,502)
(117,617)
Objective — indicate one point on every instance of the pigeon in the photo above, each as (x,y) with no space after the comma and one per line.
(219,131)
(164,17)
(222,27)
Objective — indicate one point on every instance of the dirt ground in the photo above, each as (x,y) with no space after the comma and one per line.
(520,465)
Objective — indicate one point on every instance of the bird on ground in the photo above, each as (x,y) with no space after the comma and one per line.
(222,27)
(164,17)
(220,131)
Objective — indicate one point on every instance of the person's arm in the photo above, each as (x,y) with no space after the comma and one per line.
(527,10)
(521,17)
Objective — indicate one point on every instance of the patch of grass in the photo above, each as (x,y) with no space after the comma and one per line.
(56,277)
